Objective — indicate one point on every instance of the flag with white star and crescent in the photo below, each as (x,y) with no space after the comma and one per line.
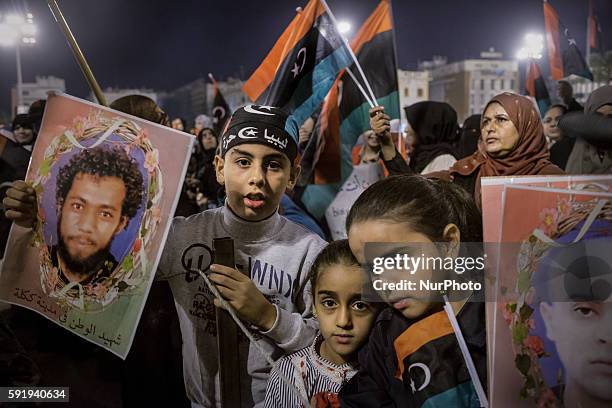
(564,56)
(220,110)
(303,64)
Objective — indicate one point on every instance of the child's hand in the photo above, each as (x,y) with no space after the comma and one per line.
(20,204)
(240,292)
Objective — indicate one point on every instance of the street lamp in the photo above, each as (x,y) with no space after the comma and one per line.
(532,48)
(16,31)
(344,27)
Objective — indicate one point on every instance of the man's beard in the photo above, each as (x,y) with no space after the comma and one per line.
(86,266)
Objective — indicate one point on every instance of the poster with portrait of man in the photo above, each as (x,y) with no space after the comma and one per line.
(552,344)
(107,185)
(492,193)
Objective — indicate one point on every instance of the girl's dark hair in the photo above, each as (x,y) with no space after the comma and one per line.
(558,105)
(428,205)
(337,252)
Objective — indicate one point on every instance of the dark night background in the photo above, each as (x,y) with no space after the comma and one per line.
(166,44)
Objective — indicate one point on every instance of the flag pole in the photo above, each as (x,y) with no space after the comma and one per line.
(365,95)
(76,50)
(333,18)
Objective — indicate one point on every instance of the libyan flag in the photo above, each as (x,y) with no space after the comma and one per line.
(564,56)
(220,110)
(303,64)
(345,113)
(536,87)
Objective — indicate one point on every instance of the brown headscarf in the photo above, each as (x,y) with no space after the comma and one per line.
(529,157)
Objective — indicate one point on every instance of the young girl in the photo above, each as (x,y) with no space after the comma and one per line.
(415,356)
(319,371)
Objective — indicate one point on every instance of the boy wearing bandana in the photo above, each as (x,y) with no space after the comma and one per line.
(256,165)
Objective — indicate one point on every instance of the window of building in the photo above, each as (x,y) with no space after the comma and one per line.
(420,92)
(492,84)
(503,84)
(512,83)
(482,84)
(406,92)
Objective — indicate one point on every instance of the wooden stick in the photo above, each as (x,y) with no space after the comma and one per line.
(76,50)
(227,335)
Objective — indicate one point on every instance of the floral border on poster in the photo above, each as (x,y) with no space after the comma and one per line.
(529,349)
(131,272)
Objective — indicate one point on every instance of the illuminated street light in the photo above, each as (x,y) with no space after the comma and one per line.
(16,31)
(532,48)
(344,27)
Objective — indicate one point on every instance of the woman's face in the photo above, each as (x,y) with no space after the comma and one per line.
(550,122)
(499,135)
(369,137)
(209,141)
(177,124)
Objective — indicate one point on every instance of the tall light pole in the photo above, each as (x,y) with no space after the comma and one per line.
(16,31)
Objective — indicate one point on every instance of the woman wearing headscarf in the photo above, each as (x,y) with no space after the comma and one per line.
(592,132)
(470,135)
(512,144)
(435,127)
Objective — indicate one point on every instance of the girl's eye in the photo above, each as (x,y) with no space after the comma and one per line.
(77,206)
(242,162)
(360,306)
(106,214)
(328,303)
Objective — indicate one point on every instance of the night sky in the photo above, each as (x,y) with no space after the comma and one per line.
(166,44)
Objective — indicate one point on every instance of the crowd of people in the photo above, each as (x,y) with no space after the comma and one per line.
(332,346)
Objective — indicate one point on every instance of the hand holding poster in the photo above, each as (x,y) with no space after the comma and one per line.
(106,185)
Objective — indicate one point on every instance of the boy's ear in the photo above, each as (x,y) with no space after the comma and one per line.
(294,176)
(219,169)
(452,235)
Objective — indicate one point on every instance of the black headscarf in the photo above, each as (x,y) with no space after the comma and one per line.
(435,125)
(470,133)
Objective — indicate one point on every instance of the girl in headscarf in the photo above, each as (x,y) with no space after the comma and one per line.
(436,129)
(592,132)
(512,144)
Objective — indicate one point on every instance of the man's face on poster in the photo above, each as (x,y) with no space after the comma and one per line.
(582,332)
(89,219)
(578,320)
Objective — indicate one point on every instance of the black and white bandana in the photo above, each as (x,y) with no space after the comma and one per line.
(264,125)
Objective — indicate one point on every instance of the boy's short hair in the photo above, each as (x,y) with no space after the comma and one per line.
(266,125)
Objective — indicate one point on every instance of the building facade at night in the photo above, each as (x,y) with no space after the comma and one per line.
(468,85)
(413,87)
(33,91)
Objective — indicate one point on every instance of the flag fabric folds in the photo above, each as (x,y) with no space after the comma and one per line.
(594,34)
(345,113)
(300,69)
(344,116)
(563,53)
(536,87)
(220,110)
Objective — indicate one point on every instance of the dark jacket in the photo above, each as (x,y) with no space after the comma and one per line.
(430,369)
